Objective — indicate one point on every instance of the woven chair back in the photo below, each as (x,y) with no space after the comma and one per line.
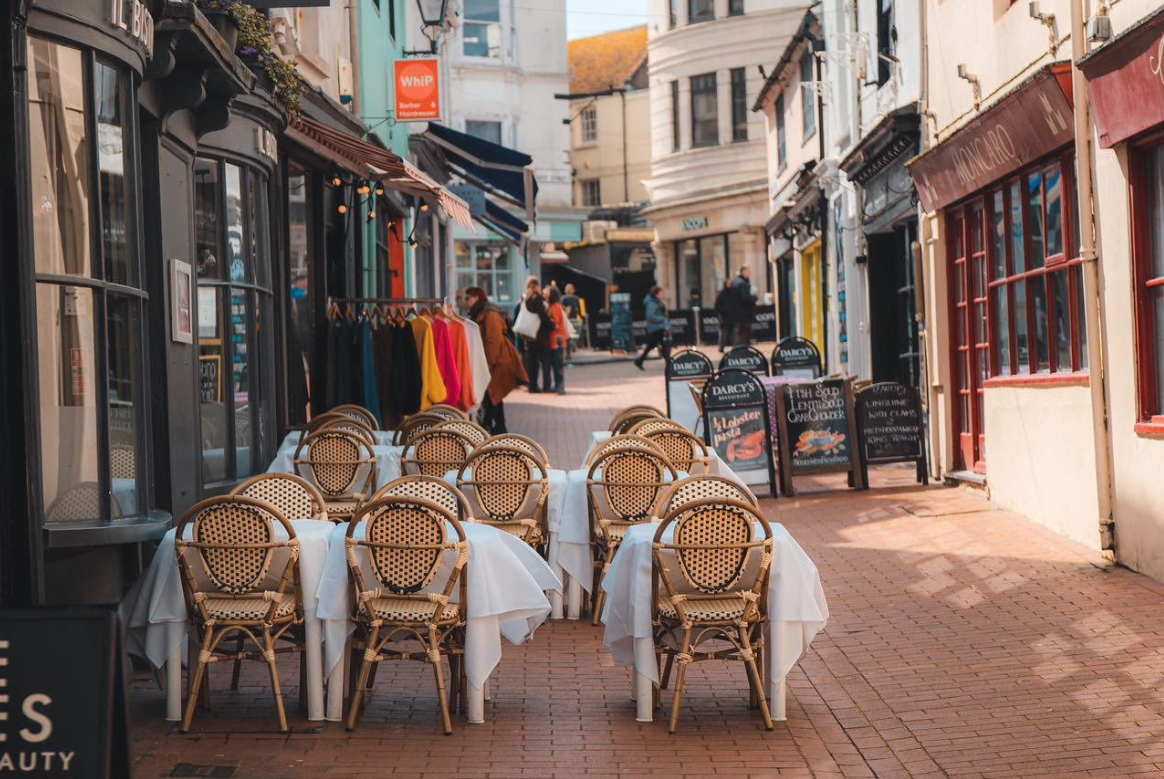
(295,497)
(429,488)
(471,430)
(80,503)
(695,488)
(358,413)
(414,426)
(445,411)
(631,480)
(334,459)
(619,442)
(627,421)
(234,540)
(437,451)
(681,447)
(503,480)
(712,540)
(122,461)
(407,540)
(520,442)
(651,424)
(350,425)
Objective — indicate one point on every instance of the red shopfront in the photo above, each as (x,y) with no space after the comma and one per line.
(1005,186)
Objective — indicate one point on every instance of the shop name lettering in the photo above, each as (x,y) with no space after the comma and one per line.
(979,156)
(796,353)
(140,24)
(38,729)
(729,390)
(818,404)
(730,429)
(695,223)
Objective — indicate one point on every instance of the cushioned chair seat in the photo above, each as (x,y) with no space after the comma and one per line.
(224,609)
(409,610)
(705,610)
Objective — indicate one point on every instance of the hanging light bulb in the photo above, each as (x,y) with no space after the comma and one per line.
(412,242)
(364,190)
(379,190)
(337,181)
(424,206)
(342,209)
(371,215)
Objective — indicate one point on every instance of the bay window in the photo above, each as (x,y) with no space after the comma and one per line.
(89,292)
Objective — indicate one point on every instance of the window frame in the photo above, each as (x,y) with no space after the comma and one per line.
(468,20)
(704,78)
(493,273)
(1144,195)
(492,123)
(886,31)
(735,8)
(807,97)
(676,118)
(738,81)
(591,197)
(781,134)
(694,19)
(588,123)
(97,283)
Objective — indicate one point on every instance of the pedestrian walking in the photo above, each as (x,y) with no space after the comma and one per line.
(723,305)
(658,327)
(573,310)
(743,305)
(506,370)
(537,348)
(559,338)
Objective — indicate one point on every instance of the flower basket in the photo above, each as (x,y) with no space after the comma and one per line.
(224,24)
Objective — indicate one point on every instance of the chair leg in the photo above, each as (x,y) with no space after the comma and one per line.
(362,681)
(234,674)
(599,601)
(196,682)
(204,699)
(372,676)
(667,671)
(434,654)
(454,681)
(754,673)
(684,660)
(269,654)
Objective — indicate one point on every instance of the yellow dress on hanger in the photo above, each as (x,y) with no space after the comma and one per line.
(432,386)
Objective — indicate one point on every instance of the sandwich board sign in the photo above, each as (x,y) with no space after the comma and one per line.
(745,358)
(681,369)
(736,425)
(818,431)
(890,427)
(798,357)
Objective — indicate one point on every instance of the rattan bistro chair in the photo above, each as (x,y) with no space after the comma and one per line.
(628,418)
(651,424)
(708,593)
(615,442)
(471,430)
(332,461)
(405,542)
(520,442)
(510,489)
(350,425)
(294,496)
(358,413)
(695,488)
(430,488)
(623,487)
(435,452)
(445,411)
(225,567)
(415,425)
(686,452)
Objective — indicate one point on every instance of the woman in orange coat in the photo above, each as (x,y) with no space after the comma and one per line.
(559,340)
(506,370)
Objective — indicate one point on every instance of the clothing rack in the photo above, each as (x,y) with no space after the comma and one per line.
(378,301)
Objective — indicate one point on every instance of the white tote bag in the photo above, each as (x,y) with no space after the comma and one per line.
(527,323)
(571,332)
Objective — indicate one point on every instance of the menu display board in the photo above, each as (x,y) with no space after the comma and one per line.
(745,358)
(818,431)
(736,425)
(889,422)
(681,369)
(796,356)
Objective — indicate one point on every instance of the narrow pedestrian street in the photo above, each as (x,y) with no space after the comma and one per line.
(963,641)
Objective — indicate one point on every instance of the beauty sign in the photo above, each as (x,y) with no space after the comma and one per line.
(736,424)
(681,369)
(418,94)
(818,431)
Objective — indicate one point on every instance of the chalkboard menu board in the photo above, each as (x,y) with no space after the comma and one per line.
(621,324)
(796,356)
(818,431)
(64,695)
(681,369)
(889,422)
(210,378)
(736,425)
(745,358)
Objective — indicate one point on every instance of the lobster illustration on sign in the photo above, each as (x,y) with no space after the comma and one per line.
(748,447)
(818,441)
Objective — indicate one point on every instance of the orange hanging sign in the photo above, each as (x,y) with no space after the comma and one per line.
(418,95)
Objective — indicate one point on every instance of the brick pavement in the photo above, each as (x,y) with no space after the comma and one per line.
(964,642)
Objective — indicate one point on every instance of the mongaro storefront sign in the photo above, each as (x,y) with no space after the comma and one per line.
(1032,121)
(1125,82)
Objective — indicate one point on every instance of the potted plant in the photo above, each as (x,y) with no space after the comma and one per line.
(280,76)
(219,14)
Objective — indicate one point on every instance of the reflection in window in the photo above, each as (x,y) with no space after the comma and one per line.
(485,130)
(300,329)
(486,264)
(700,11)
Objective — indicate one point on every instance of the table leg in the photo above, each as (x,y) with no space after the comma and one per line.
(174,685)
(475,705)
(574,598)
(778,691)
(314,655)
(644,698)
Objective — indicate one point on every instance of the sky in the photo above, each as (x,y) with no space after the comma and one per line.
(590,17)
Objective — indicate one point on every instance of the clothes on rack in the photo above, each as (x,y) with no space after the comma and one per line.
(432,386)
(442,344)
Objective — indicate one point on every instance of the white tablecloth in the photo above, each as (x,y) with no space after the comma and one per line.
(507,585)
(797,609)
(383,438)
(156,617)
(387,464)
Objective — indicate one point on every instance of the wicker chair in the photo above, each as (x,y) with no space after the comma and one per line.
(623,487)
(614,442)
(445,411)
(435,452)
(320,420)
(405,541)
(414,426)
(651,424)
(333,464)
(510,489)
(430,488)
(233,544)
(295,497)
(695,488)
(722,597)
(350,425)
(358,413)
(471,430)
(80,503)
(520,442)
(628,418)
(686,452)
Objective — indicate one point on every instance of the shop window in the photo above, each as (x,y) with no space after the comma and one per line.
(486,264)
(301,295)
(786,295)
(234,297)
(1149,271)
(589,124)
(704,111)
(1035,289)
(89,299)
(739,105)
(673,15)
(700,11)
(592,192)
(481,30)
(886,41)
(781,136)
(687,259)
(807,96)
(674,116)
(485,130)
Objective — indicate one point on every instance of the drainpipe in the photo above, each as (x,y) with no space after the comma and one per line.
(1093,300)
(925,247)
(354,51)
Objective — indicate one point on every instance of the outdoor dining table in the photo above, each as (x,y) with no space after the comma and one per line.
(388,467)
(797,611)
(292,439)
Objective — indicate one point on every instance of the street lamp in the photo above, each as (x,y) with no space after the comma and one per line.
(432,20)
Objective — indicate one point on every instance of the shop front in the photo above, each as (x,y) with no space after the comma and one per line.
(1010,370)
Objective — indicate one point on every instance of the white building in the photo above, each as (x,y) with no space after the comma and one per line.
(709,181)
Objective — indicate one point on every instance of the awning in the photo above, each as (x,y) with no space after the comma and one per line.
(498,169)
(1124,82)
(503,223)
(369,161)
(1031,121)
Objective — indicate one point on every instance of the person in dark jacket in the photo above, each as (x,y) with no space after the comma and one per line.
(744,307)
(723,310)
(658,327)
(537,350)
